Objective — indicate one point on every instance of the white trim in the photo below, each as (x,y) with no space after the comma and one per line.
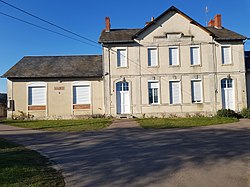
(201,82)
(37,84)
(159,94)
(178,55)
(121,48)
(230,54)
(157,59)
(81,83)
(180,95)
(199,54)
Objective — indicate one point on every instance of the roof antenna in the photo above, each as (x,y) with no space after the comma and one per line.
(206,14)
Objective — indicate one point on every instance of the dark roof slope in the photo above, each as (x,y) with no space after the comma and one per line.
(225,34)
(118,35)
(57,67)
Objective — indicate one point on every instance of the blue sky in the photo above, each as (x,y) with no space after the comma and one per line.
(87,19)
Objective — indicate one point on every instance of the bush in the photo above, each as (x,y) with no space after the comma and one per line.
(227,113)
(245,113)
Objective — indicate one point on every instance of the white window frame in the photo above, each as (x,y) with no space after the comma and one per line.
(230,55)
(191,55)
(170,94)
(192,91)
(178,55)
(34,85)
(118,64)
(156,60)
(154,103)
(79,84)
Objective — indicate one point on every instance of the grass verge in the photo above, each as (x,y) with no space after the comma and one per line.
(61,125)
(164,123)
(20,166)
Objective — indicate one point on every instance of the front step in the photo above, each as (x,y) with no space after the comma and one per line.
(124,116)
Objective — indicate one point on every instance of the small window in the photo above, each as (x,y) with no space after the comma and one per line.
(81,94)
(226,53)
(122,86)
(152,57)
(153,92)
(196,87)
(121,58)
(173,56)
(175,95)
(195,55)
(37,95)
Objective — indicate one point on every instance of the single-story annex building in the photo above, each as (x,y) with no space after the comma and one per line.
(172,66)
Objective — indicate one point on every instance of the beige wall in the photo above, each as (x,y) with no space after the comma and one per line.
(210,71)
(59,102)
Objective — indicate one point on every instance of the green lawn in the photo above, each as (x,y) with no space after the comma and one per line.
(20,166)
(62,125)
(163,123)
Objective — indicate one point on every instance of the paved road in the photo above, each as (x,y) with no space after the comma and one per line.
(200,157)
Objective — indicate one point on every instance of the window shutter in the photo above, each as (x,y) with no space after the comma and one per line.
(175,93)
(152,57)
(81,94)
(173,56)
(121,58)
(195,55)
(37,95)
(196,91)
(226,55)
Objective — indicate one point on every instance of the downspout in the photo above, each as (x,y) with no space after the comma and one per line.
(109,82)
(215,74)
(140,74)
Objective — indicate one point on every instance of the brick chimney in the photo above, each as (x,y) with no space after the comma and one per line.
(107,20)
(211,23)
(217,21)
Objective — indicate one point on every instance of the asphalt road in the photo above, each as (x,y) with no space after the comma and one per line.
(199,157)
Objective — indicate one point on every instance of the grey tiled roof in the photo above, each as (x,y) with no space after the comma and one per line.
(118,35)
(56,67)
(225,34)
(127,35)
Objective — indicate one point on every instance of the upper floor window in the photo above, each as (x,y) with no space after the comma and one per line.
(195,55)
(173,56)
(81,93)
(122,58)
(175,92)
(226,54)
(152,57)
(196,87)
(37,94)
(153,92)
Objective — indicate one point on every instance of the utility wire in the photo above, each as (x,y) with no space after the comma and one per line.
(40,27)
(48,22)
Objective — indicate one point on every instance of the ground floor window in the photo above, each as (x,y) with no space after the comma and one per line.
(175,92)
(81,94)
(153,92)
(37,95)
(196,89)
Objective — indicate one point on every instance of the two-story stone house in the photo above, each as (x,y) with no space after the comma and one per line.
(173,65)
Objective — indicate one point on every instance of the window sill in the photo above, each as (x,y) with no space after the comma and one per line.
(81,106)
(174,66)
(196,65)
(125,67)
(231,64)
(177,104)
(153,66)
(154,104)
(195,102)
(37,107)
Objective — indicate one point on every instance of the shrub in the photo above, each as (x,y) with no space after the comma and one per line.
(245,113)
(227,113)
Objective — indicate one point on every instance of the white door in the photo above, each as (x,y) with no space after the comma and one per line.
(227,94)
(122,98)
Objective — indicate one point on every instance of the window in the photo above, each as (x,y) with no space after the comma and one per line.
(226,53)
(195,55)
(153,92)
(81,94)
(175,95)
(173,56)
(196,88)
(121,58)
(152,57)
(37,95)
(122,86)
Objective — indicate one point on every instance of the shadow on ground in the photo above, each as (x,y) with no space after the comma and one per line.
(137,157)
